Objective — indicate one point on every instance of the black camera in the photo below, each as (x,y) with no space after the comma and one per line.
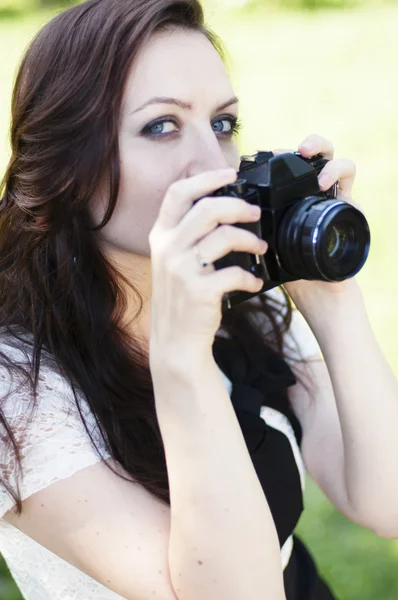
(310,233)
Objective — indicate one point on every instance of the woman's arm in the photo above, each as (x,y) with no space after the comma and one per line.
(350,418)
(223,541)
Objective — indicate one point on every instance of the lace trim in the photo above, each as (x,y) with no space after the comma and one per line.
(54,444)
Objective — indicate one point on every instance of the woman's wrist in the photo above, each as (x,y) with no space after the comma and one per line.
(322,305)
(171,362)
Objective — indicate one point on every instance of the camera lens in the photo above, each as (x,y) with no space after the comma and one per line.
(323,239)
(333,241)
(340,241)
(336,241)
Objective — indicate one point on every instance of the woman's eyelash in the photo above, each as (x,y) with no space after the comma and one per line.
(236,126)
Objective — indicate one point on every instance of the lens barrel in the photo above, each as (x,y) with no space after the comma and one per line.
(323,239)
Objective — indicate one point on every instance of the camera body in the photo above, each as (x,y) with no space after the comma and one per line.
(310,234)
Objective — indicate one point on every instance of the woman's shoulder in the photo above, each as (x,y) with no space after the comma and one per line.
(49,424)
(54,392)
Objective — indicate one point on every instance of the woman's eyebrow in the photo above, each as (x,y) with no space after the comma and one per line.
(181,104)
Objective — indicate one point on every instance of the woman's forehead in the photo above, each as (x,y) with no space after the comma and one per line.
(179,64)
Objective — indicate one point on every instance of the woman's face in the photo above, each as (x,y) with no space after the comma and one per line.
(183,142)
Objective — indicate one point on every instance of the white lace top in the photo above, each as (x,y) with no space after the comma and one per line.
(56,446)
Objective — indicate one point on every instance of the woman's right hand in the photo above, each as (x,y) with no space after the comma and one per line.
(186,299)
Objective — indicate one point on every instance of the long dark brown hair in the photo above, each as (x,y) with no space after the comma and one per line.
(55,283)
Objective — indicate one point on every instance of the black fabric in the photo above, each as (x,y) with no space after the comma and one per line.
(302,577)
(271,452)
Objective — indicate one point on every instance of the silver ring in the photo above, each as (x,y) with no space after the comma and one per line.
(202,263)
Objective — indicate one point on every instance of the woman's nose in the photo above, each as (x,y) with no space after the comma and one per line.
(207,154)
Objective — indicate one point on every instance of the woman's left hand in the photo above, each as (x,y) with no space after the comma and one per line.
(307,294)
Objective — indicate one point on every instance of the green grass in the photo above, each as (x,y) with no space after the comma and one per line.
(333,73)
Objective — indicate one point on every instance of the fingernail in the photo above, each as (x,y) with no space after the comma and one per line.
(309,147)
(325,181)
(264,244)
(255,211)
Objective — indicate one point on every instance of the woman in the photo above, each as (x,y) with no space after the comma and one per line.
(159,459)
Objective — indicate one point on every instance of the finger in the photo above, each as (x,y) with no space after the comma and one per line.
(354,204)
(342,169)
(228,238)
(203,219)
(182,194)
(316,144)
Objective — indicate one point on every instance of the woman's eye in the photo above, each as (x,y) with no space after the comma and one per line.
(164,128)
(233,126)
(160,128)
(229,126)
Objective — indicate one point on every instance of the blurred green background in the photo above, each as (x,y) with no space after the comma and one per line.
(301,67)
